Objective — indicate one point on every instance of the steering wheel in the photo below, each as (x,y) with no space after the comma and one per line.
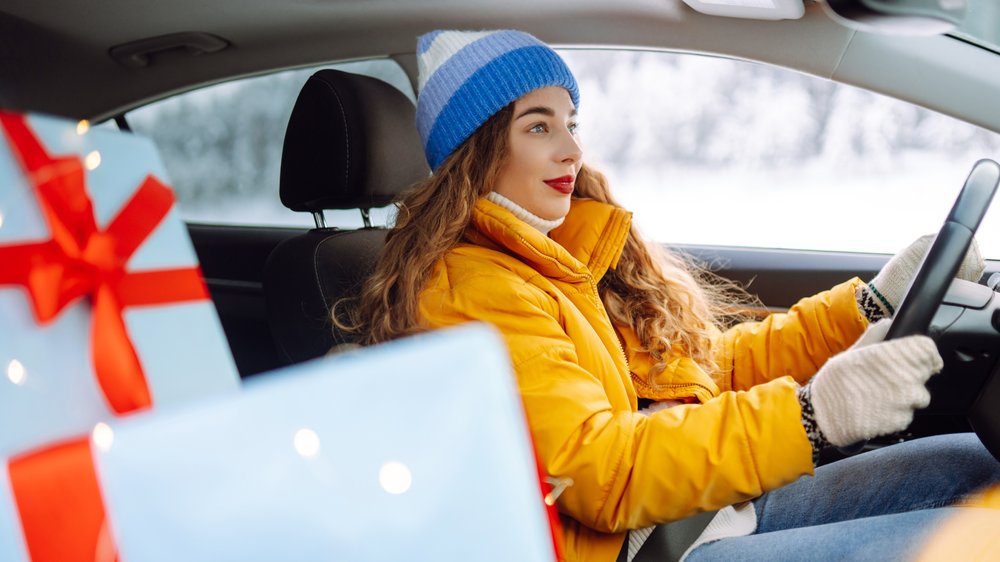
(935,276)
(945,255)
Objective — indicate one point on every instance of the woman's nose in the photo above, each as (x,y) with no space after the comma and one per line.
(570,150)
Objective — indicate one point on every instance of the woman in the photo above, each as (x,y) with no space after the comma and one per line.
(514,229)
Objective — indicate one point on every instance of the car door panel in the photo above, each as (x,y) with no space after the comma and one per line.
(232,261)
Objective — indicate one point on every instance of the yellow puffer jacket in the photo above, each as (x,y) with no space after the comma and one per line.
(631,470)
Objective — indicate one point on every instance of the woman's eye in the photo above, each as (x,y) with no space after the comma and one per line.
(539,128)
(573,127)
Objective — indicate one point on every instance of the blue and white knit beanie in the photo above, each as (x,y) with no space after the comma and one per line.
(467,76)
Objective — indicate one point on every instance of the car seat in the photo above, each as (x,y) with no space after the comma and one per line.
(351,143)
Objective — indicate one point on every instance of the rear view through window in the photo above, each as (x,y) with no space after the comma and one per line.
(222,146)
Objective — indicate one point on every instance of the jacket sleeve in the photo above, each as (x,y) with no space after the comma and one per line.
(631,470)
(796,343)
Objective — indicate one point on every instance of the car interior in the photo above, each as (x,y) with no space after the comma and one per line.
(351,143)
(364,124)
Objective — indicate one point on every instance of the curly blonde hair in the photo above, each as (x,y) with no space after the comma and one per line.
(431,219)
(668,300)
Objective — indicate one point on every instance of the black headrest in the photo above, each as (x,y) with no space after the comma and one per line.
(351,143)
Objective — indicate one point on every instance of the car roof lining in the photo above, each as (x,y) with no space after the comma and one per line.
(267,36)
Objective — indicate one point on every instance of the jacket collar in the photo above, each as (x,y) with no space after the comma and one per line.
(588,243)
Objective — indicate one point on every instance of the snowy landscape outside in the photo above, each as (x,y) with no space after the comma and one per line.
(703,150)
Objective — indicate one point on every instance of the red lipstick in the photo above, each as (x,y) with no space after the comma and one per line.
(562,184)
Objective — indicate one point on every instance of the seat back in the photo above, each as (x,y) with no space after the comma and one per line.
(351,143)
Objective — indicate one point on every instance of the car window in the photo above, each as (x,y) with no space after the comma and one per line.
(222,144)
(706,150)
(703,150)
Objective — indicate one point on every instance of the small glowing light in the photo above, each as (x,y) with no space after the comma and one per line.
(395,477)
(16,372)
(103,436)
(82,127)
(1,220)
(92,160)
(306,442)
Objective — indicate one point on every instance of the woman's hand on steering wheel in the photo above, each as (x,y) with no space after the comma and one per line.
(873,388)
(882,295)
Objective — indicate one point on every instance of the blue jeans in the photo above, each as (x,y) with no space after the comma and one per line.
(881,505)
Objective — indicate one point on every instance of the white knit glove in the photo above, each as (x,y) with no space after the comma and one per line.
(872,389)
(883,294)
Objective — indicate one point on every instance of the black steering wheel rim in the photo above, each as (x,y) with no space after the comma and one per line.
(934,277)
(944,258)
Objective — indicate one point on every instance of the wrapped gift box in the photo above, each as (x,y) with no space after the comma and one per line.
(49,389)
(413,450)
(103,313)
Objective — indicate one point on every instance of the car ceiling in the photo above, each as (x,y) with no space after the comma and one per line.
(55,54)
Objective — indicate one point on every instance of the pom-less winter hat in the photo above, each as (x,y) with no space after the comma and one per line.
(467,76)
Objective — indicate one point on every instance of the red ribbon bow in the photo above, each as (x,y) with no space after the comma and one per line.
(82,260)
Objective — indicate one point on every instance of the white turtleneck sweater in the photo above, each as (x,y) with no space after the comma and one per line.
(538,223)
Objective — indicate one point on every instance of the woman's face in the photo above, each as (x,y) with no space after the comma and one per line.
(544,154)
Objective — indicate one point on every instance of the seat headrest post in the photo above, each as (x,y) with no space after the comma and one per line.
(366,216)
(319,218)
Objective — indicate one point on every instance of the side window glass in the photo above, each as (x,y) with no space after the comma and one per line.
(222,145)
(706,150)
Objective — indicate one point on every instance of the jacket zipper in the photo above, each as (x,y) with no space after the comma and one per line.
(600,306)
